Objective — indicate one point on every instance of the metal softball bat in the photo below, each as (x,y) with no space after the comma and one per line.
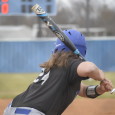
(55,29)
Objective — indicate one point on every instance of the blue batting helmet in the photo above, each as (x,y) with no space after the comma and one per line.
(77,39)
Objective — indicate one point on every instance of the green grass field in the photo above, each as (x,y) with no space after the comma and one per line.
(13,84)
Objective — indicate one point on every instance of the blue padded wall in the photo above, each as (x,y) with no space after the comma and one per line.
(102,53)
(21,57)
(25,56)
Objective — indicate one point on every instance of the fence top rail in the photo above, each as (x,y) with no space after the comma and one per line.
(44,39)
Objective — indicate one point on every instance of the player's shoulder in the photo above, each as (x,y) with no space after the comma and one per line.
(88,64)
(74,63)
(85,67)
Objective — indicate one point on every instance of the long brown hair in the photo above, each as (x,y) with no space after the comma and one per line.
(59,59)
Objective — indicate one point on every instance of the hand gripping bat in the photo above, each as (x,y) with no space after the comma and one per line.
(55,29)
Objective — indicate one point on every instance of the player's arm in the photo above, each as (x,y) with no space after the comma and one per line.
(89,69)
(84,90)
(94,91)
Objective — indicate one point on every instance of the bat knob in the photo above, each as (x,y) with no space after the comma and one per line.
(38,10)
(112,91)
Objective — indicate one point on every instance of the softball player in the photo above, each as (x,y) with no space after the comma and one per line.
(60,81)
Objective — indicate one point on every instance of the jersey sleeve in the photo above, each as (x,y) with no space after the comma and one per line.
(73,71)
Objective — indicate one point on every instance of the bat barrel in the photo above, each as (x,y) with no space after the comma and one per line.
(55,29)
(38,10)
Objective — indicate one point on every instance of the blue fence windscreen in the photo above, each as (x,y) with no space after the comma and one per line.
(102,54)
(25,56)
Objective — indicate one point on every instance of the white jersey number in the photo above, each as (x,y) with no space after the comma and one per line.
(42,78)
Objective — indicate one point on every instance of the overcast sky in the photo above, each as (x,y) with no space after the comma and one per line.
(110,3)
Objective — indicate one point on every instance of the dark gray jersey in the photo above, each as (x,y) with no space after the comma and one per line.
(52,91)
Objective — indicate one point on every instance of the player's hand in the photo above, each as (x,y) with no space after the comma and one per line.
(106,85)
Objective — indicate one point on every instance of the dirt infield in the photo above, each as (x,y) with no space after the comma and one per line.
(81,107)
